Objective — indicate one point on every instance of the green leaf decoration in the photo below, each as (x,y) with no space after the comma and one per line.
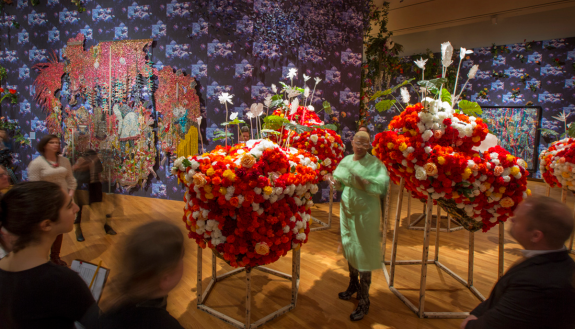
(283,85)
(432,85)
(470,108)
(571,130)
(277,103)
(297,128)
(390,90)
(328,126)
(276,97)
(327,107)
(301,90)
(446,96)
(235,122)
(269,131)
(550,131)
(274,122)
(222,135)
(186,163)
(384,105)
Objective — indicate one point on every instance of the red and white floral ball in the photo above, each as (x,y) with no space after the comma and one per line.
(557,164)
(325,144)
(251,202)
(431,147)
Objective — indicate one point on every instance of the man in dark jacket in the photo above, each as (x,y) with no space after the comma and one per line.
(538,290)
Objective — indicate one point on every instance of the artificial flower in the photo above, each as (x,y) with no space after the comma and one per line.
(420,63)
(225,97)
(473,71)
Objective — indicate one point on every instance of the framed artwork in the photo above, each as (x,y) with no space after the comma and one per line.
(517,128)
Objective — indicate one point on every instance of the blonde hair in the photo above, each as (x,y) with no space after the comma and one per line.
(149,252)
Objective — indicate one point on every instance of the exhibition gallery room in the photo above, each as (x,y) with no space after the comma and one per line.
(287,164)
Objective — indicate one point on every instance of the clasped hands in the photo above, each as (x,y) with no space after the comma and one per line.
(362,183)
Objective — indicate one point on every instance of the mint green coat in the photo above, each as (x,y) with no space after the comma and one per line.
(360,210)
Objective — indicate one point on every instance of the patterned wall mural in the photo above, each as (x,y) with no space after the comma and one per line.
(239,47)
(540,72)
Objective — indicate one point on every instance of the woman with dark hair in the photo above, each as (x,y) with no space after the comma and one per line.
(151,265)
(36,293)
(52,167)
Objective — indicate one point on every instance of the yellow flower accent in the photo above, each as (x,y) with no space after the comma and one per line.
(466,173)
(487,185)
(209,196)
(409,170)
(208,188)
(476,139)
(440,160)
(514,170)
(455,195)
(210,171)
(404,129)
(268,190)
(430,169)
(565,174)
(223,190)
(401,169)
(413,132)
(301,230)
(510,157)
(502,189)
(506,202)
(487,193)
(402,147)
(390,146)
(248,160)
(229,175)
(497,195)
(528,192)
(373,151)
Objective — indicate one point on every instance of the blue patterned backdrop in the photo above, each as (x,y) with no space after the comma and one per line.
(549,65)
(240,47)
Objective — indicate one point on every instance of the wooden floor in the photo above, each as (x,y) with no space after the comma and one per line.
(323,271)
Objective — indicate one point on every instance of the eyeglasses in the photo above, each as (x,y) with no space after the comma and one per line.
(360,144)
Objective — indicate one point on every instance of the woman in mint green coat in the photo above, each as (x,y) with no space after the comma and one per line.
(363,179)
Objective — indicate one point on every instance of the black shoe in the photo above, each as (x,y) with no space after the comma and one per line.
(109,230)
(351,289)
(361,311)
(79,235)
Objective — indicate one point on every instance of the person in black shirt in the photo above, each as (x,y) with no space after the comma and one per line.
(36,293)
(151,266)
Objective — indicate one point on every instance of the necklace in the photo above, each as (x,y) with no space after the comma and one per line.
(52,164)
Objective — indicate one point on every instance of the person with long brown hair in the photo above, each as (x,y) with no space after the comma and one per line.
(34,292)
(151,265)
(50,166)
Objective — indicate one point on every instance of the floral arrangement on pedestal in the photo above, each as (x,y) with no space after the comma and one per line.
(431,146)
(557,164)
(250,202)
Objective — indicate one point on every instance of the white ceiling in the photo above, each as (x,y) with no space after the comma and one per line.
(422,24)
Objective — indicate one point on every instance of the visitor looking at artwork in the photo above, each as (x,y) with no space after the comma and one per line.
(50,166)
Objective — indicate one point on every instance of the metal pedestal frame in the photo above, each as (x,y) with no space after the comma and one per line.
(247,324)
(420,218)
(390,276)
(324,225)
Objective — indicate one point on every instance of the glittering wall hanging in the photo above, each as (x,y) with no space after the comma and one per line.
(222,45)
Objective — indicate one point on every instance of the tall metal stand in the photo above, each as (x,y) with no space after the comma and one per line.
(390,276)
(412,226)
(247,324)
(324,225)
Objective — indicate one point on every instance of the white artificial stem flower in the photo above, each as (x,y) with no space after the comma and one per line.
(274,88)
(305,77)
(292,73)
(225,98)
(294,106)
(470,75)
(446,54)
(233,116)
(405,97)
(306,92)
(421,64)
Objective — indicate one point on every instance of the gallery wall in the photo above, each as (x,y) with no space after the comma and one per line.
(239,47)
(549,64)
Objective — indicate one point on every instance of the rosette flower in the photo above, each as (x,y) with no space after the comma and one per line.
(431,148)
(325,144)
(557,164)
(249,203)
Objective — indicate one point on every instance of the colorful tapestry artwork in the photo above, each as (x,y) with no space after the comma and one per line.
(517,130)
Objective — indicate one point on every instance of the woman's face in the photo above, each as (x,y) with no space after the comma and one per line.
(360,146)
(53,146)
(68,212)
